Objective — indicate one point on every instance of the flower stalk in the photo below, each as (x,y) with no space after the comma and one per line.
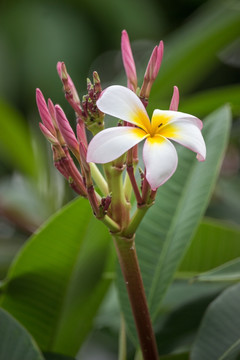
(127,256)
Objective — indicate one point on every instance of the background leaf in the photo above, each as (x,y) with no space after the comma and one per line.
(227,272)
(56,283)
(191,52)
(170,224)
(207,101)
(219,337)
(214,244)
(54,356)
(181,312)
(16,343)
(15,140)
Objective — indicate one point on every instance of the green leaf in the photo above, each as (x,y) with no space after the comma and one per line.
(227,272)
(182,310)
(169,226)
(54,356)
(191,52)
(218,337)
(207,101)
(213,245)
(16,343)
(56,284)
(15,140)
(180,356)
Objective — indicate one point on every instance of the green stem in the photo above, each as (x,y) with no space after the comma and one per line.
(136,220)
(138,355)
(99,179)
(111,224)
(127,187)
(127,256)
(122,354)
(119,206)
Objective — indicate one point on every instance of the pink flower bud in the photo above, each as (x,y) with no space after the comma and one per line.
(44,113)
(158,60)
(52,112)
(48,135)
(81,133)
(175,99)
(67,131)
(83,156)
(152,70)
(69,87)
(128,61)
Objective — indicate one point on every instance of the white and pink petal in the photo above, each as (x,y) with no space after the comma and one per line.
(111,143)
(123,103)
(160,160)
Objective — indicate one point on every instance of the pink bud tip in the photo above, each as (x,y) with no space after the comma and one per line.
(128,61)
(59,68)
(48,135)
(175,99)
(43,111)
(154,62)
(52,112)
(159,59)
(66,130)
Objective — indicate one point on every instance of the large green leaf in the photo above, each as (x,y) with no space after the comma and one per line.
(16,343)
(219,337)
(230,271)
(54,356)
(168,227)
(207,101)
(182,310)
(56,283)
(15,140)
(191,53)
(214,244)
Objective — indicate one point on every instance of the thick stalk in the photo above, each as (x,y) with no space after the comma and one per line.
(131,272)
(119,205)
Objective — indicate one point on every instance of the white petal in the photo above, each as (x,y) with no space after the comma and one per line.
(187,134)
(165,117)
(124,104)
(111,143)
(160,159)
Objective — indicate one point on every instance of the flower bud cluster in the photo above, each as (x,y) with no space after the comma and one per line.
(86,111)
(58,131)
(111,203)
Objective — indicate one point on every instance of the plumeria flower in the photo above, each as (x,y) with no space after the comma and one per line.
(159,154)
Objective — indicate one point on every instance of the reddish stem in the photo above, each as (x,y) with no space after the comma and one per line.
(131,272)
(130,171)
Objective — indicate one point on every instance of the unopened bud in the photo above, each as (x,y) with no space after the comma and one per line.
(69,88)
(67,131)
(81,133)
(128,61)
(52,112)
(97,84)
(48,135)
(44,112)
(83,156)
(90,88)
(152,70)
(175,99)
